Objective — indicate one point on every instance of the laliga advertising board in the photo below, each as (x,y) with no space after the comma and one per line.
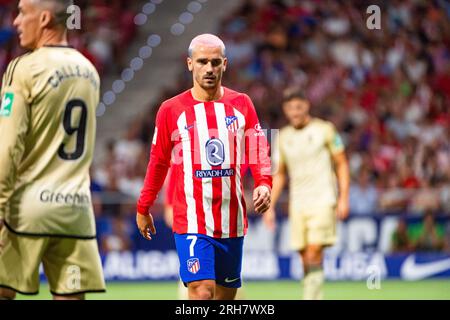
(361,253)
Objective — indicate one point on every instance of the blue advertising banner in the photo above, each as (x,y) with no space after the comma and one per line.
(363,250)
(257,265)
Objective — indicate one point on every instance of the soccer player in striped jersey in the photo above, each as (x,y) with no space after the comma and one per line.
(168,219)
(47,127)
(311,152)
(208,132)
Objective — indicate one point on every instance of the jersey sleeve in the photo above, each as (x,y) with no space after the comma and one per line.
(333,139)
(170,187)
(159,162)
(14,123)
(257,148)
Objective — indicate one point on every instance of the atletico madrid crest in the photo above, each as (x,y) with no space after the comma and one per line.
(193,265)
(232,123)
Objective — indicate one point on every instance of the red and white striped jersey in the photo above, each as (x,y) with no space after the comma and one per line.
(207,144)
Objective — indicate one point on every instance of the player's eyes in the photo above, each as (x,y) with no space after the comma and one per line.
(214,63)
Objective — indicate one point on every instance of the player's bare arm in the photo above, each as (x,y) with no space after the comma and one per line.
(145,225)
(279,181)
(261,199)
(343,176)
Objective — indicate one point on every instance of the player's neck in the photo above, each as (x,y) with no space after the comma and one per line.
(201,94)
(52,38)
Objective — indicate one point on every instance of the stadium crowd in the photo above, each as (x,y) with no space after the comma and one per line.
(107,28)
(387,91)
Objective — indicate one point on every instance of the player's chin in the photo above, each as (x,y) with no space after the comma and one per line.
(25,45)
(296,123)
(209,84)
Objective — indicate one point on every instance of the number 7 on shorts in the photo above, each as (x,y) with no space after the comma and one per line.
(191,246)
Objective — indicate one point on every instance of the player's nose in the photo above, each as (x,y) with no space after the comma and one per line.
(16,22)
(209,67)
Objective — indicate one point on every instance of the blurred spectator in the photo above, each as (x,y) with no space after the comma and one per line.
(401,242)
(447,238)
(363,195)
(431,236)
(425,199)
(117,238)
(445,197)
(387,92)
(114,202)
(107,28)
(96,190)
(109,167)
(393,197)
(128,148)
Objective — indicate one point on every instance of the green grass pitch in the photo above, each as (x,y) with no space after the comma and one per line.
(275,290)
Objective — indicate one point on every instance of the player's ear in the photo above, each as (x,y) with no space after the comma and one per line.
(225,63)
(190,64)
(45,19)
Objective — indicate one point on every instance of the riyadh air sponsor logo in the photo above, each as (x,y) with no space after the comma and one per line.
(219,173)
(215,152)
(411,270)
